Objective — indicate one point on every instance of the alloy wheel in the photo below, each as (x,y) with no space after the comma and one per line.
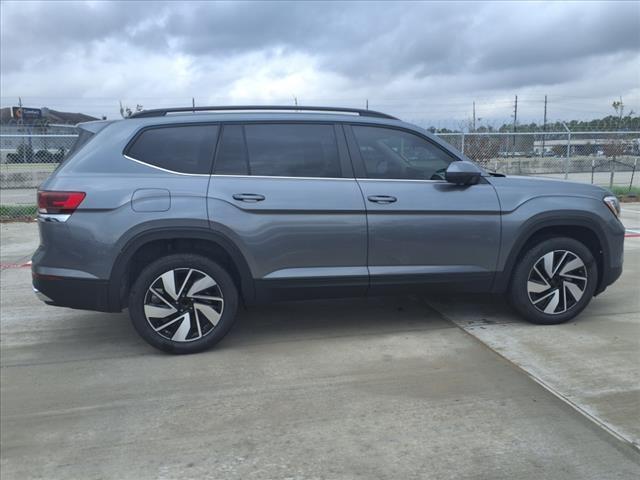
(183,304)
(557,282)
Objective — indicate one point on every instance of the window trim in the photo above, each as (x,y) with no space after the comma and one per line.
(227,175)
(346,166)
(164,169)
(139,132)
(356,157)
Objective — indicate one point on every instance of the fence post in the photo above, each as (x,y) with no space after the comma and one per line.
(566,161)
(612,166)
(635,164)
(462,147)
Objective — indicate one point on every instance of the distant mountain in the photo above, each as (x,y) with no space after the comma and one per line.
(49,116)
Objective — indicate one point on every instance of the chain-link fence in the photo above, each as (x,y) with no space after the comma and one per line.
(604,158)
(26,160)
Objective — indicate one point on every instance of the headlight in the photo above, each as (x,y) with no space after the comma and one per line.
(613,203)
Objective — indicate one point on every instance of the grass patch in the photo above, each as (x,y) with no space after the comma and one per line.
(28,167)
(624,190)
(12,212)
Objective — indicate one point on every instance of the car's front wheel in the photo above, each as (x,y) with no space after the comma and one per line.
(183,303)
(554,281)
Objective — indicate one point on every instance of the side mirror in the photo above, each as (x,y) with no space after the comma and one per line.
(463,173)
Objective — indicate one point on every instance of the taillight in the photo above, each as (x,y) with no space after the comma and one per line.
(59,202)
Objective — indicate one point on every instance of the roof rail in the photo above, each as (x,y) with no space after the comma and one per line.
(160,112)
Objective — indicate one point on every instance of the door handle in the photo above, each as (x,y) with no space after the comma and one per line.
(381,198)
(248,197)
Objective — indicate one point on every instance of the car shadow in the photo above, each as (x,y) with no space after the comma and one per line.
(290,321)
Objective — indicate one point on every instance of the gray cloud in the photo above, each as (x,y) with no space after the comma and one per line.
(370,48)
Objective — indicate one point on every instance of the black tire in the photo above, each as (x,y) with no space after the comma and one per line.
(523,300)
(211,334)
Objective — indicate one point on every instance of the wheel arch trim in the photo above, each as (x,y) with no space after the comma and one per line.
(558,218)
(138,240)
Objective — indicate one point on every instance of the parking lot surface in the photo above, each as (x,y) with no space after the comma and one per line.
(592,362)
(355,388)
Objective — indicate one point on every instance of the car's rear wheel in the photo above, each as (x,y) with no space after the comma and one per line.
(183,303)
(554,281)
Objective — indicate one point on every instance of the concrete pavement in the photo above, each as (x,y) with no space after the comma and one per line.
(592,362)
(355,388)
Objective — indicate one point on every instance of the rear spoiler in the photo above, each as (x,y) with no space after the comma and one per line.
(94,126)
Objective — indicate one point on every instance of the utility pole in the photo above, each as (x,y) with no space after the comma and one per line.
(544,125)
(367,104)
(20,119)
(621,113)
(474,116)
(20,123)
(193,104)
(515,127)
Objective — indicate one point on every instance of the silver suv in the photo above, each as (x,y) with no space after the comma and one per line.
(181,214)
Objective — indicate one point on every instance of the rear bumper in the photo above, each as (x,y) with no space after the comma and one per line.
(80,293)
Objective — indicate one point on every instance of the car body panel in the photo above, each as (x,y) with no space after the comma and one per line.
(303,228)
(429,229)
(308,236)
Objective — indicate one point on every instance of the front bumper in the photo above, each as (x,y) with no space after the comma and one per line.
(610,276)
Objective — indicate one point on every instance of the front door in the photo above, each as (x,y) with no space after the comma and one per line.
(422,230)
(285,194)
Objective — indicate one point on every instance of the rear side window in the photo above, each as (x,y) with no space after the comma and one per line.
(279,150)
(293,150)
(184,149)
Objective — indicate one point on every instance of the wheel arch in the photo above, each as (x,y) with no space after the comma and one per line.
(197,240)
(580,226)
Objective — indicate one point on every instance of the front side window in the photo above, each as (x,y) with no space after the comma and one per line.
(396,154)
(184,148)
(292,150)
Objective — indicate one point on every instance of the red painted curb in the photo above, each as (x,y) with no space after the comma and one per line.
(4,266)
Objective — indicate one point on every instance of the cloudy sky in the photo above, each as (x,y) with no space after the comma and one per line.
(425,62)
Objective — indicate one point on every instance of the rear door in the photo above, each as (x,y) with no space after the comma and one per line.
(422,229)
(286,195)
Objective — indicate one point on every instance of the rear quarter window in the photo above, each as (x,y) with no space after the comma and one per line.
(183,148)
